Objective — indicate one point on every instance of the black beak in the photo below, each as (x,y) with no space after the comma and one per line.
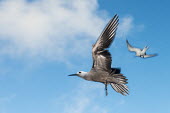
(73,75)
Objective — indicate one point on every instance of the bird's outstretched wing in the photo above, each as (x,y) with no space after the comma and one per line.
(131,48)
(102,57)
(148,56)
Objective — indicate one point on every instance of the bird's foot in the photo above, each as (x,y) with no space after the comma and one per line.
(106,88)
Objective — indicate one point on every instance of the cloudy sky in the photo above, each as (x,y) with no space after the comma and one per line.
(43,41)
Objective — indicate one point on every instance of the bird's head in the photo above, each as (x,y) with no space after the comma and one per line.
(79,74)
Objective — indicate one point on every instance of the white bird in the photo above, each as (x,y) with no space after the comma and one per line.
(101,69)
(140,52)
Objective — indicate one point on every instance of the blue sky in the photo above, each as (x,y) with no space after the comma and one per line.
(43,41)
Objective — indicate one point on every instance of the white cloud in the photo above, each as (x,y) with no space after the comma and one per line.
(51,29)
(82,99)
(125,26)
(47,27)
(89,97)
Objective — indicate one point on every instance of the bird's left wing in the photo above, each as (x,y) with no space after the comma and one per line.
(131,48)
(102,57)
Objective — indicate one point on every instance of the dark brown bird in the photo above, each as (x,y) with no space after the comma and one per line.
(101,69)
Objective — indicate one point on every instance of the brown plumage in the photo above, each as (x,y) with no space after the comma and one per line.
(101,69)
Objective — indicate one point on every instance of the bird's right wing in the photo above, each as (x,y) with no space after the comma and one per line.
(102,57)
(145,49)
(148,56)
(131,48)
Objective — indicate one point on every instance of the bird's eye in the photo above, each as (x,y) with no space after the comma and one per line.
(79,72)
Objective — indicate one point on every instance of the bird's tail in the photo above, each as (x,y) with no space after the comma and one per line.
(120,86)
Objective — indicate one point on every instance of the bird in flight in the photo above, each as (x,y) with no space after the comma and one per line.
(101,70)
(140,52)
